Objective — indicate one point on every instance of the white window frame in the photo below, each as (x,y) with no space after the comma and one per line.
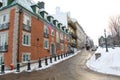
(53,32)
(3,38)
(57,36)
(51,20)
(29,57)
(62,47)
(4,3)
(47,43)
(61,36)
(46,28)
(45,15)
(1,57)
(37,10)
(29,37)
(6,18)
(27,17)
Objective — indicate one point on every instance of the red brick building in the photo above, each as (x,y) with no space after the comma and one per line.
(28,32)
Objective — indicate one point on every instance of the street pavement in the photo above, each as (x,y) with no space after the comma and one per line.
(70,69)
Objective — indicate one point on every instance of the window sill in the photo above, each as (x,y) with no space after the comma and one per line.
(26,45)
(46,48)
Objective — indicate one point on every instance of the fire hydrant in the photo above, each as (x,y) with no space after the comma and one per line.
(11,66)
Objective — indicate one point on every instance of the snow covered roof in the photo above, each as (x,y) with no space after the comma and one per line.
(25,3)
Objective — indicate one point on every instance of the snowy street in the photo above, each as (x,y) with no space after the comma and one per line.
(71,69)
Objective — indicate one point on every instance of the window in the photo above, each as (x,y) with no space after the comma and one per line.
(45,16)
(3,41)
(4,18)
(62,47)
(53,32)
(46,44)
(26,39)
(66,47)
(1,59)
(4,2)
(37,10)
(25,57)
(51,20)
(46,29)
(27,20)
(61,36)
(57,37)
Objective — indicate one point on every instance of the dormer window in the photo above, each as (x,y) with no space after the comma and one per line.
(44,14)
(50,19)
(63,28)
(27,23)
(3,3)
(66,30)
(55,22)
(59,25)
(35,9)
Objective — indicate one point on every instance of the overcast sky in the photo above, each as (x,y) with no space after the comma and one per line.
(92,15)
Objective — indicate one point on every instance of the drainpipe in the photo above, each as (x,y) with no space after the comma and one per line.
(18,42)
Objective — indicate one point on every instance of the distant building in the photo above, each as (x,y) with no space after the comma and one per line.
(78,36)
(101,41)
(81,36)
(110,41)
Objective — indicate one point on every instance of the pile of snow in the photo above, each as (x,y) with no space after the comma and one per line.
(108,63)
(35,65)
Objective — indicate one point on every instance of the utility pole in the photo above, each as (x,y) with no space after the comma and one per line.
(105,40)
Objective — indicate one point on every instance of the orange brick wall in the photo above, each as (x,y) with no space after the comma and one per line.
(8,55)
(36,49)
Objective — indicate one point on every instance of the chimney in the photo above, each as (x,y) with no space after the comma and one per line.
(41,5)
(57,10)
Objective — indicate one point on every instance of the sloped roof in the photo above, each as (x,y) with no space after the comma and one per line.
(25,3)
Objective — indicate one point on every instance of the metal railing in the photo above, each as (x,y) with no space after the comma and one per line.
(4,26)
(4,48)
(27,27)
(46,35)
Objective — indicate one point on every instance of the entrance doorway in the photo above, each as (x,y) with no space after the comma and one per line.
(52,49)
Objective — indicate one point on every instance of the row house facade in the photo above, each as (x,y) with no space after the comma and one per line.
(73,32)
(77,37)
(28,32)
(81,39)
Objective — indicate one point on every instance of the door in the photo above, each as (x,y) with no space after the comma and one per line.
(52,49)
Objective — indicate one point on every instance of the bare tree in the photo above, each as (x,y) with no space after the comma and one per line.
(114,26)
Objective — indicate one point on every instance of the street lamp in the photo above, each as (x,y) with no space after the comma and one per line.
(105,40)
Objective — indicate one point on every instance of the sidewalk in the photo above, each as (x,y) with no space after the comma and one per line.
(35,67)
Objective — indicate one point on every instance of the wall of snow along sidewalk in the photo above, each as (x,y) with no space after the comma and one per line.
(108,63)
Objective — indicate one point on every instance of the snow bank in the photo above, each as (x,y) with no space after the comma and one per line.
(108,63)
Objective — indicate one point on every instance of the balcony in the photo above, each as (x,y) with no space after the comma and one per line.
(62,41)
(4,48)
(73,44)
(4,26)
(26,28)
(70,23)
(46,35)
(74,35)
